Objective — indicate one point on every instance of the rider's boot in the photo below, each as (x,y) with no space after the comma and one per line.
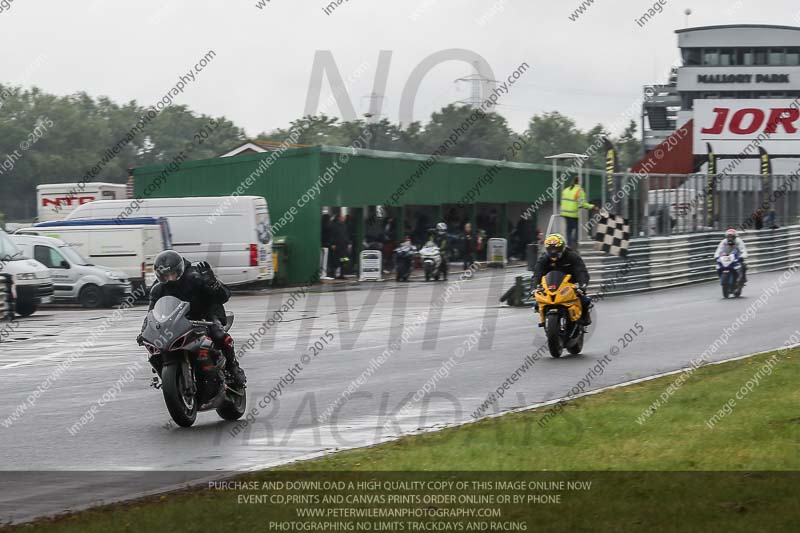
(586,315)
(232,363)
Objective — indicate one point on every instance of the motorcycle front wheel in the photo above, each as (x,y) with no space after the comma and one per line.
(182,407)
(577,346)
(235,405)
(552,327)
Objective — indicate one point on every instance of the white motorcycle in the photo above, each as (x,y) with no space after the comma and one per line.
(730,275)
(431,257)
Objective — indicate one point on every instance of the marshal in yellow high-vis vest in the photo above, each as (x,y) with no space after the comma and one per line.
(572,200)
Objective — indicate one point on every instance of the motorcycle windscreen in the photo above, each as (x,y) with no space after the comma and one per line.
(167,321)
(554,279)
(168,307)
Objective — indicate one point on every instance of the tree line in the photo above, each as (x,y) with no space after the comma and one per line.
(80,128)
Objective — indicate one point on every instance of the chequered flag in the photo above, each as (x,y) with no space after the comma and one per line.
(613,234)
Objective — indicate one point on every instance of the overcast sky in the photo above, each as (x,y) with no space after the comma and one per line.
(590,69)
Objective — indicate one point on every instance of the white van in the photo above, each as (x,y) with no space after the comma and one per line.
(74,278)
(129,246)
(55,201)
(31,282)
(231,233)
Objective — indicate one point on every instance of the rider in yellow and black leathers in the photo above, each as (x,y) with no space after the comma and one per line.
(559,257)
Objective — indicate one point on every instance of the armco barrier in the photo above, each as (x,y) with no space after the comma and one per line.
(662,262)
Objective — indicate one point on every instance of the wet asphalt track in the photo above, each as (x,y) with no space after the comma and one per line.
(132,432)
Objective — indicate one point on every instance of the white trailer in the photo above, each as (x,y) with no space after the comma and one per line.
(54,201)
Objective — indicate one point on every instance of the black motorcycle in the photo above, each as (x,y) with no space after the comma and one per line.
(190,369)
(404,256)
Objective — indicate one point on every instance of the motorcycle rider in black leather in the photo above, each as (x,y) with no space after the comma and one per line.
(206,295)
(559,257)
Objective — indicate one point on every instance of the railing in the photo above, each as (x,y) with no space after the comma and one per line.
(672,204)
(662,262)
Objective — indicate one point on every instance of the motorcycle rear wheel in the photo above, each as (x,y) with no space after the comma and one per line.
(182,408)
(552,327)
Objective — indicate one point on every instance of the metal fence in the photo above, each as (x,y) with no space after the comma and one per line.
(675,204)
(674,261)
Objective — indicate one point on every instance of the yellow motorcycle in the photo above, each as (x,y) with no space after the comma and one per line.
(560,311)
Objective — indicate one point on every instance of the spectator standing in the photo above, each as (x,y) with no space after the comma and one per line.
(339,246)
(468,245)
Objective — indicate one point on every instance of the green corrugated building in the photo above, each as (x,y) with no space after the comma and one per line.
(299,182)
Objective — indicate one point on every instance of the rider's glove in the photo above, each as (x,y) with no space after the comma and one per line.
(204,269)
(139,340)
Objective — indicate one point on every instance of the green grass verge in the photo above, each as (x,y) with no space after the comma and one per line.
(758,440)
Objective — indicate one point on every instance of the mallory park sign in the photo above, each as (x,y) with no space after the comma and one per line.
(743,78)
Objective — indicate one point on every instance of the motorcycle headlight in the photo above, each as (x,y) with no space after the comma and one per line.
(26,275)
(116,276)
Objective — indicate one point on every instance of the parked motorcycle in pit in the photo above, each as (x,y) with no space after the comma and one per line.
(431,261)
(730,275)
(560,313)
(404,256)
(191,371)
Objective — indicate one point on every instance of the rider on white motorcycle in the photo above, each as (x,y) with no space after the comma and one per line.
(441,238)
(733,243)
